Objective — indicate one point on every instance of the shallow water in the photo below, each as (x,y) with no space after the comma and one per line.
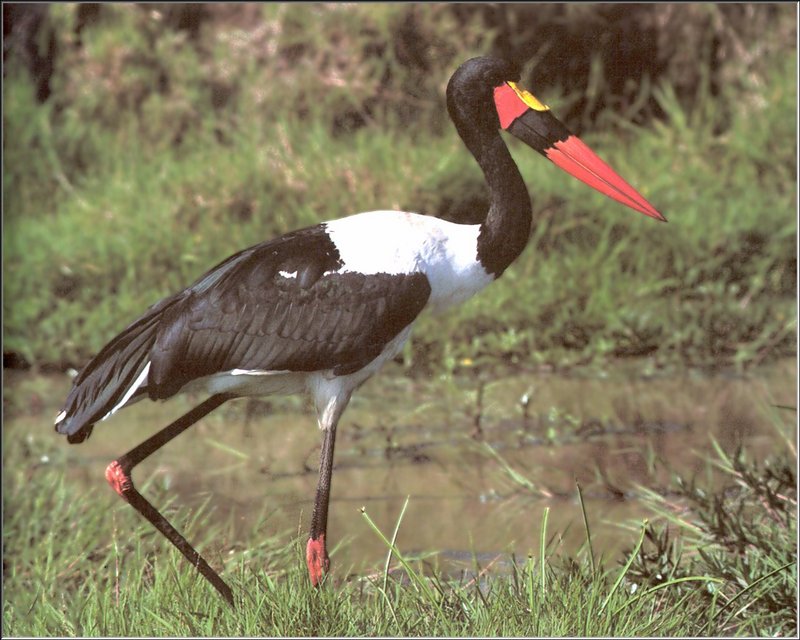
(400,437)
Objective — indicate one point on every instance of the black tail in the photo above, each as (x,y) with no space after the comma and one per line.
(109,376)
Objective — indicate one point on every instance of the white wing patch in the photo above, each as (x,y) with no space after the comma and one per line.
(396,243)
(131,390)
(256,372)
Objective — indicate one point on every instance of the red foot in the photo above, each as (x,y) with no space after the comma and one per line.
(317,559)
(118,478)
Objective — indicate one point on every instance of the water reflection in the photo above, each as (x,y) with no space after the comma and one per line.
(402,437)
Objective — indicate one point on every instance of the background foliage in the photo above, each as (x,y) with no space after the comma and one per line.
(145,143)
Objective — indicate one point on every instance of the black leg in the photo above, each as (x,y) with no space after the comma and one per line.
(316,550)
(118,474)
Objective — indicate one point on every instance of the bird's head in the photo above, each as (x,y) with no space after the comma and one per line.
(484,95)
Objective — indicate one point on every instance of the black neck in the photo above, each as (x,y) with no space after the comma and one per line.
(507,227)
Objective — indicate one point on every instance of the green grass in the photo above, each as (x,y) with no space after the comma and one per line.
(120,193)
(726,565)
(736,529)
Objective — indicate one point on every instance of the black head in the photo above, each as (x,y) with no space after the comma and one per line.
(470,92)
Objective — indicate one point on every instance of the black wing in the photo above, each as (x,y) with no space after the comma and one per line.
(281,305)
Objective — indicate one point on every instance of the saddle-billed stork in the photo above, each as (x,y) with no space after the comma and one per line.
(323,308)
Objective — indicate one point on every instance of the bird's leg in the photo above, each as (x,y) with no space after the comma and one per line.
(316,549)
(118,474)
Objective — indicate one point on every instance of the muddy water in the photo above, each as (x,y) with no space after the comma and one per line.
(425,439)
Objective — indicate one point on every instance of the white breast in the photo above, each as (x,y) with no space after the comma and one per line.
(396,242)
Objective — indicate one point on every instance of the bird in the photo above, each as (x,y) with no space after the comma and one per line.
(319,310)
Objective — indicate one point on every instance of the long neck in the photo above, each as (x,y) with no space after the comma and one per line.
(507,227)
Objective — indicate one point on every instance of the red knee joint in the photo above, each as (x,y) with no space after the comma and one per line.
(317,559)
(119,478)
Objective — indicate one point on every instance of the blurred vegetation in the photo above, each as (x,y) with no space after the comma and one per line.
(145,143)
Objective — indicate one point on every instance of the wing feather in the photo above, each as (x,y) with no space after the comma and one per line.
(281,308)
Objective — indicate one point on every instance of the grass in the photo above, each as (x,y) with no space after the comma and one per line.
(724,565)
(736,531)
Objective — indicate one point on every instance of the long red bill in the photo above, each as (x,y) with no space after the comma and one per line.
(522,115)
(576,158)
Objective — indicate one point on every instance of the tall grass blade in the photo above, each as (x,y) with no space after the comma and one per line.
(665,585)
(586,526)
(394,542)
(542,549)
(416,579)
(627,566)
